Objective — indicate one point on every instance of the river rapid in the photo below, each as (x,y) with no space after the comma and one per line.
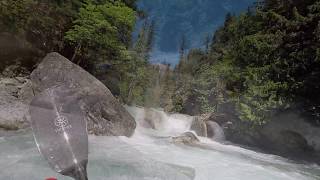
(151,155)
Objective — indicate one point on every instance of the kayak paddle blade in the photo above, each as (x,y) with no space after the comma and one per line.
(60,131)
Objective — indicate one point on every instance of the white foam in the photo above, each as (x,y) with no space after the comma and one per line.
(149,155)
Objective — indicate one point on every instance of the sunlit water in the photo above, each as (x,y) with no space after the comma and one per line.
(150,155)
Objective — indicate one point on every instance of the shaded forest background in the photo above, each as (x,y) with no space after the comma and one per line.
(258,64)
(95,34)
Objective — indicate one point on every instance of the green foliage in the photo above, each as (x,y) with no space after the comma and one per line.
(136,73)
(96,34)
(144,44)
(263,61)
(14,14)
(42,24)
(134,79)
(178,103)
(102,31)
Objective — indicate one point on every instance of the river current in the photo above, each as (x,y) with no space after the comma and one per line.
(150,155)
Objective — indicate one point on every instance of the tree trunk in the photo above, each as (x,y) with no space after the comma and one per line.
(76,53)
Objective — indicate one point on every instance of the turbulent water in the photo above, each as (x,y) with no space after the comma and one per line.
(150,155)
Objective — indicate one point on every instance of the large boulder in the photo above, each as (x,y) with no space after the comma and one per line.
(104,114)
(290,133)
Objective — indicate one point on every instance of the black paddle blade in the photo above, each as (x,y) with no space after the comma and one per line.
(60,131)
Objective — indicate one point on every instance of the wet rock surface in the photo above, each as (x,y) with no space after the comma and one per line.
(187,138)
(104,114)
(152,119)
(215,131)
(288,134)
(199,126)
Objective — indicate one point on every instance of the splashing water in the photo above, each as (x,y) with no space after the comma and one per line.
(216,132)
(149,155)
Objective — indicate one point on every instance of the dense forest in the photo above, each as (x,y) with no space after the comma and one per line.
(260,63)
(95,34)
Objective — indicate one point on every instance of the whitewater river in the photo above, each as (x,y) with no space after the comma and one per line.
(150,155)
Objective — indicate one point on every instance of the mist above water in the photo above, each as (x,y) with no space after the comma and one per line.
(150,155)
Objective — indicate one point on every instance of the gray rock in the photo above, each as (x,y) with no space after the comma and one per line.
(187,138)
(104,114)
(15,95)
(289,132)
(152,118)
(215,132)
(199,126)
(223,120)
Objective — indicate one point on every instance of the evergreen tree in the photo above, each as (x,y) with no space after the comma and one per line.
(183,46)
(263,61)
